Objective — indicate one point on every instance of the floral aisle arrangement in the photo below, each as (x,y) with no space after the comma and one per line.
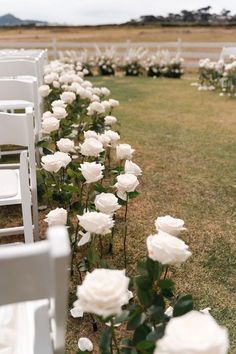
(161,64)
(106,61)
(87,174)
(218,76)
(132,63)
(146,305)
(135,62)
(88,179)
(210,74)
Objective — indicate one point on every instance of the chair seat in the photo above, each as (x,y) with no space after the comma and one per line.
(10,192)
(20,328)
(14,104)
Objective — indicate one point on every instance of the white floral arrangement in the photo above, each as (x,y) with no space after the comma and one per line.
(162,64)
(106,61)
(132,62)
(218,76)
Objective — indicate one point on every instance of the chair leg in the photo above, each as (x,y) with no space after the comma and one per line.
(27,222)
(35,215)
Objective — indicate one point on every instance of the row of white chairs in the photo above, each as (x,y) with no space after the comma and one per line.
(21,73)
(33,276)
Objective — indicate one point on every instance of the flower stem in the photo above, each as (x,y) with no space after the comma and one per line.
(125,231)
(87,198)
(166,272)
(101,246)
(114,337)
(110,250)
(73,248)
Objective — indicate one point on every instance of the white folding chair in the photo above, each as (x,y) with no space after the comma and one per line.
(17,129)
(20,94)
(33,296)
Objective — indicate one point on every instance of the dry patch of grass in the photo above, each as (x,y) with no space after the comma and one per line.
(120,34)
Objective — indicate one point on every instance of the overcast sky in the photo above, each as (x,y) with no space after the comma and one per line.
(102,11)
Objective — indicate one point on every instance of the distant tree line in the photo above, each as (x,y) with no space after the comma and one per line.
(202,16)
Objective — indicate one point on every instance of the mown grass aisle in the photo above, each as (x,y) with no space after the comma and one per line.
(185,144)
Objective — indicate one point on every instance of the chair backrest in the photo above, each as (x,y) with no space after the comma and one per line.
(227,51)
(17,129)
(39,271)
(19,67)
(13,89)
(27,90)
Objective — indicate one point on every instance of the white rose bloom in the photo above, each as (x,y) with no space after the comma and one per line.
(85,344)
(172,226)
(105,91)
(90,134)
(92,171)
(56,84)
(96,223)
(132,168)
(47,114)
(106,203)
(126,183)
(104,292)
(124,151)
(114,136)
(110,120)
(83,93)
(51,164)
(44,90)
(87,84)
(50,125)
(68,97)
(65,79)
(167,249)
(49,78)
(97,91)
(104,139)
(63,157)
(58,103)
(91,147)
(95,107)
(193,333)
(106,105)
(57,216)
(59,112)
(95,98)
(66,145)
(113,103)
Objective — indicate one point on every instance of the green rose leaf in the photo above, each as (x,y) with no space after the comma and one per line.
(136,320)
(140,334)
(105,341)
(183,305)
(122,317)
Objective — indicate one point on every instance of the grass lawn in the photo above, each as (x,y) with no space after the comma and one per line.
(185,144)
